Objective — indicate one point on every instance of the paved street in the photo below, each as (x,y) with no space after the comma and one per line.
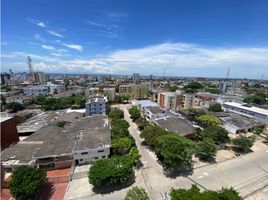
(247,174)
(157,184)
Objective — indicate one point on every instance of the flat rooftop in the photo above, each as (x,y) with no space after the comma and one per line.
(237,120)
(146,103)
(4,118)
(85,133)
(97,99)
(175,124)
(248,108)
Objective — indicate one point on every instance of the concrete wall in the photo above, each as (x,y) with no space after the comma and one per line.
(87,156)
(9,133)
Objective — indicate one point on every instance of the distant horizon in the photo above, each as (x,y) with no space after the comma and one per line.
(187,38)
(143,75)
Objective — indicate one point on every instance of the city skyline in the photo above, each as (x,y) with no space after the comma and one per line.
(187,38)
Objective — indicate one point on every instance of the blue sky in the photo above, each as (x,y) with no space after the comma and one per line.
(188,38)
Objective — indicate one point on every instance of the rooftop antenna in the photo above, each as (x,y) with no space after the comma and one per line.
(228,72)
(164,72)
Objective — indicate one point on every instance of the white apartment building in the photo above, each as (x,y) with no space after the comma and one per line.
(97,105)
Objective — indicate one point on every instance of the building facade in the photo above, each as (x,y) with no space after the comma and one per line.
(97,105)
(109,93)
(248,111)
(9,133)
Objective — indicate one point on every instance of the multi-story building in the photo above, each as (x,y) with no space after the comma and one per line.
(91,91)
(139,91)
(125,89)
(5,78)
(167,100)
(136,78)
(135,90)
(248,111)
(40,77)
(35,90)
(110,93)
(97,105)
(9,133)
(86,140)
(54,88)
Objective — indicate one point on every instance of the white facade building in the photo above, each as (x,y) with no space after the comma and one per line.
(97,105)
(248,111)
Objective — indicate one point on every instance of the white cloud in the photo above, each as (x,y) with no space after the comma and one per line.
(179,59)
(48,47)
(54,33)
(101,25)
(41,24)
(74,46)
(36,22)
(39,37)
(4,43)
(109,34)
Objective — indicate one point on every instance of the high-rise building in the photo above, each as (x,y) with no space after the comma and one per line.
(40,77)
(136,78)
(5,78)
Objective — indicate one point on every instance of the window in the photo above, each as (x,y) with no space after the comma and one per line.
(96,158)
(100,151)
(81,159)
(103,156)
(84,153)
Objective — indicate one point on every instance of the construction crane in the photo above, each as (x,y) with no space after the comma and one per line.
(30,67)
(228,72)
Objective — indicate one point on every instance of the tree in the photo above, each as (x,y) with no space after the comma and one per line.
(134,155)
(213,90)
(192,87)
(198,112)
(244,143)
(136,193)
(80,100)
(26,182)
(216,133)
(39,99)
(141,123)
(229,194)
(170,87)
(119,128)
(113,171)
(134,113)
(195,194)
(14,106)
(174,150)
(209,120)
(259,98)
(215,107)
(150,134)
(60,124)
(121,146)
(116,113)
(206,149)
